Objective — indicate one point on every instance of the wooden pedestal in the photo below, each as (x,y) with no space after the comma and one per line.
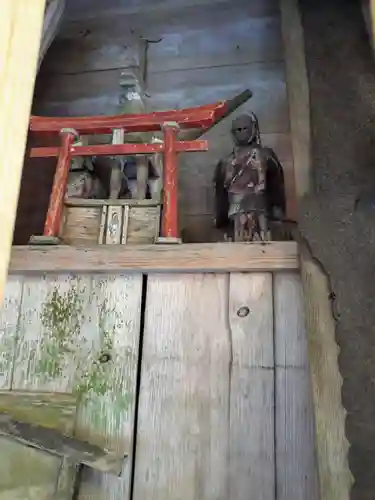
(110,222)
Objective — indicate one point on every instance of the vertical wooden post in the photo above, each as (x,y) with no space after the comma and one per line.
(52,225)
(170,197)
(298,97)
(21,24)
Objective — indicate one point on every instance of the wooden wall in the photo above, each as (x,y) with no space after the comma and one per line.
(224,401)
(209,51)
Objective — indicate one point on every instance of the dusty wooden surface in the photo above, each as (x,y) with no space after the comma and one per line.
(55,443)
(335,477)
(296,466)
(52,410)
(77,334)
(219,257)
(208,51)
(211,375)
(86,224)
(252,389)
(224,396)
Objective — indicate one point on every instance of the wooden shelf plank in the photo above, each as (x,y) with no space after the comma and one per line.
(205,257)
(50,441)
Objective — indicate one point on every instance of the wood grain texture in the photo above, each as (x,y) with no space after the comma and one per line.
(191,39)
(87,53)
(218,257)
(251,463)
(52,410)
(81,225)
(20,34)
(335,478)
(107,414)
(298,93)
(38,477)
(88,9)
(296,466)
(40,470)
(182,437)
(143,225)
(31,370)
(57,444)
(84,223)
(81,334)
(9,312)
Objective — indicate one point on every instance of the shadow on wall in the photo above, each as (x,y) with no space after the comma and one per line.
(35,191)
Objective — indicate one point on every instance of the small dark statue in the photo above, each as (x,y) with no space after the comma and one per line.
(249,185)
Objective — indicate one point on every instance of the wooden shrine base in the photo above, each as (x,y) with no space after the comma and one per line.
(205,257)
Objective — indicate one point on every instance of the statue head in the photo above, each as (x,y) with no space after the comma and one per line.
(245,130)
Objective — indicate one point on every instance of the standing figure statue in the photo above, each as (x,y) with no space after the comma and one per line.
(249,185)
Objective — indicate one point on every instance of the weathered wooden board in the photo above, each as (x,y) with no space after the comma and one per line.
(251,420)
(203,258)
(87,9)
(195,39)
(207,381)
(107,415)
(225,42)
(49,332)
(77,334)
(298,92)
(38,365)
(39,470)
(296,467)
(225,397)
(26,473)
(182,437)
(57,444)
(9,329)
(87,53)
(52,410)
(335,477)
(90,223)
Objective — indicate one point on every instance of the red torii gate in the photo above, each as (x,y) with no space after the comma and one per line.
(170,122)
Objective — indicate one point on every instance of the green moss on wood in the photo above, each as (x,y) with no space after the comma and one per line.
(6,354)
(62,318)
(51,410)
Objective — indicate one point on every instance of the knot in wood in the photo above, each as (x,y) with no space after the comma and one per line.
(105,357)
(243,312)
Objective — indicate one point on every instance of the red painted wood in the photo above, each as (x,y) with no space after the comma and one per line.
(52,224)
(199,117)
(119,149)
(170,199)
